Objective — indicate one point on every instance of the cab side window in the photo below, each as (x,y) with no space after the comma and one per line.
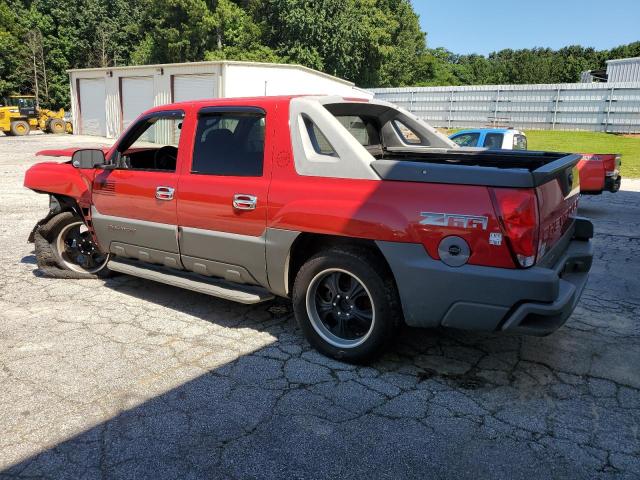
(493,141)
(229,143)
(152,144)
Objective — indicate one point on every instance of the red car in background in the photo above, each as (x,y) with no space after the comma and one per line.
(599,173)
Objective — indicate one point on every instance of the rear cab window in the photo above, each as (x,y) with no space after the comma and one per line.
(361,128)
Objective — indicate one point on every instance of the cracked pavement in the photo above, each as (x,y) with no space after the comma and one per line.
(126,378)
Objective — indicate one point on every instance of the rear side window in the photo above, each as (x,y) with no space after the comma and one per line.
(319,141)
(407,135)
(467,139)
(519,142)
(230,144)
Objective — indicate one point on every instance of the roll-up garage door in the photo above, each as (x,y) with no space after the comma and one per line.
(194,87)
(137,96)
(93,115)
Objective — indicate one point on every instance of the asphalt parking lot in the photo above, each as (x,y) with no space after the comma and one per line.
(127,378)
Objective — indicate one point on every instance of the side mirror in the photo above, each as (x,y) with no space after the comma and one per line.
(88,158)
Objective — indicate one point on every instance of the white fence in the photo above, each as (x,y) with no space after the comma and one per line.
(599,107)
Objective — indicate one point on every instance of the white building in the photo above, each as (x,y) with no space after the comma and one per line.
(104,101)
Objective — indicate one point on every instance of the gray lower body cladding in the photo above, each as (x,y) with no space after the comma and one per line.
(533,301)
(252,260)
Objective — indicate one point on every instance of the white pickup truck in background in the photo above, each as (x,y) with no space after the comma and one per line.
(491,138)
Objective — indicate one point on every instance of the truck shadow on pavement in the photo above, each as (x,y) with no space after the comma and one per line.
(214,389)
(442,403)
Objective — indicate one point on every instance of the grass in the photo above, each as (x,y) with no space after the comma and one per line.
(590,142)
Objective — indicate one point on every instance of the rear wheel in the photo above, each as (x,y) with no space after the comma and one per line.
(347,305)
(20,128)
(65,249)
(57,126)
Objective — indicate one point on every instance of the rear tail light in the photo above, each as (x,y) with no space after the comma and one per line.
(518,216)
(611,164)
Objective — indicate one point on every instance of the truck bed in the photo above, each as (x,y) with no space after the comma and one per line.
(483,167)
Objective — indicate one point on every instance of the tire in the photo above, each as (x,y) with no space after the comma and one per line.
(20,128)
(334,323)
(57,126)
(55,257)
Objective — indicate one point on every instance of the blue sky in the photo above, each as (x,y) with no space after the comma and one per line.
(468,26)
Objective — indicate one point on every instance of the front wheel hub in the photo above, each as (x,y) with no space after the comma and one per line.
(78,251)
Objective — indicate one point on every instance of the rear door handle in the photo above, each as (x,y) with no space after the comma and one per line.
(165,193)
(242,201)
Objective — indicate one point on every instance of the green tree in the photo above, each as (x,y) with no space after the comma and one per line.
(371,42)
(237,36)
(13,77)
(177,31)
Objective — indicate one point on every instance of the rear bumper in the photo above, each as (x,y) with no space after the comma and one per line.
(572,270)
(534,301)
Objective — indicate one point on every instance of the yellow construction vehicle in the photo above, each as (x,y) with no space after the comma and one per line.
(19,115)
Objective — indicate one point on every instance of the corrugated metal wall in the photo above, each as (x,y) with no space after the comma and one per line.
(603,107)
(624,70)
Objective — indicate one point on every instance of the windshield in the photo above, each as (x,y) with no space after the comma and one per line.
(21,102)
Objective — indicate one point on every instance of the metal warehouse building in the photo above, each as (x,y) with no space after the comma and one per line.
(106,100)
(623,70)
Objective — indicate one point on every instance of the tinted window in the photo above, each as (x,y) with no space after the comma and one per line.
(493,141)
(467,139)
(229,144)
(362,129)
(320,143)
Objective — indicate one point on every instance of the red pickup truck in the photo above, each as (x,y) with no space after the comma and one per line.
(599,173)
(362,214)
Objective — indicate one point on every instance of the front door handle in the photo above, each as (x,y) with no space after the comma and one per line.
(165,193)
(242,201)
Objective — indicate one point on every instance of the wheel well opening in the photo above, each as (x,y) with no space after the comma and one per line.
(60,203)
(309,244)
(63,203)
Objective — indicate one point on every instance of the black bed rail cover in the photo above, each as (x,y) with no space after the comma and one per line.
(423,171)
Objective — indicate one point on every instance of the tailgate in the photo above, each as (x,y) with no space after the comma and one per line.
(557,190)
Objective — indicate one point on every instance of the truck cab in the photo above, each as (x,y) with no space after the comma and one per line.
(491,138)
